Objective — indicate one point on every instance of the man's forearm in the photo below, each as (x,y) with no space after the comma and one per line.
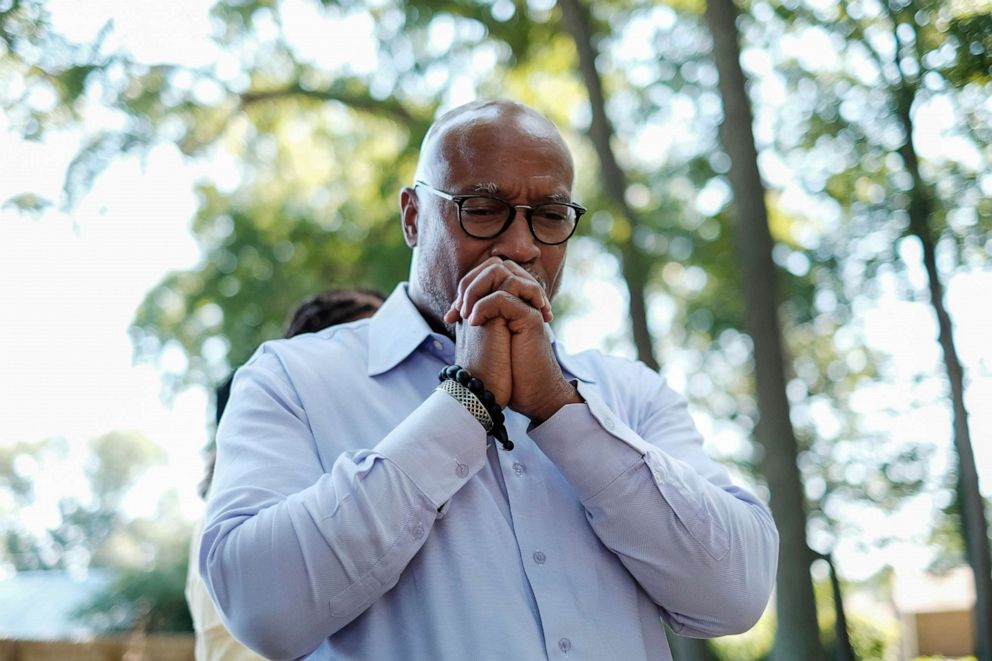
(705,554)
(292,555)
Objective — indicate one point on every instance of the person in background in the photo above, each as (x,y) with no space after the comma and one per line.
(446,481)
(329,308)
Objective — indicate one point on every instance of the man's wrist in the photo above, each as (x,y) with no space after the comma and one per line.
(471,393)
(565,394)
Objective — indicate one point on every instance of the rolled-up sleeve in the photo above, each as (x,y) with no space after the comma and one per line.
(291,553)
(704,550)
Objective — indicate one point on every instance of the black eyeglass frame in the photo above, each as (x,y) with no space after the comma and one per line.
(459,200)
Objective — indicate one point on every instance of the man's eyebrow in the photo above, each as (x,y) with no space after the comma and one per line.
(487,187)
(490,188)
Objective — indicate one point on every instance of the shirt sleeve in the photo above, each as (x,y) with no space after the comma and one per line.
(704,550)
(213,641)
(291,553)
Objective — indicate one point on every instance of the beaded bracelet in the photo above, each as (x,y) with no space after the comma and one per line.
(477,388)
(470,401)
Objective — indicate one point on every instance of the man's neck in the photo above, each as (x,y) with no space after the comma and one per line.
(424,307)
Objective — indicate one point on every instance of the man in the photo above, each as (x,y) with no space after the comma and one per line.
(359,513)
(328,308)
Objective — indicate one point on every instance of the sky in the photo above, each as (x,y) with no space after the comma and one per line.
(70,283)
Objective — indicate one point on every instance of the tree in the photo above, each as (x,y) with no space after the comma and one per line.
(89,527)
(905,56)
(84,522)
(798,633)
(147,592)
(634,263)
(921,209)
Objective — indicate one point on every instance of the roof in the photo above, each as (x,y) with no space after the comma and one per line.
(38,605)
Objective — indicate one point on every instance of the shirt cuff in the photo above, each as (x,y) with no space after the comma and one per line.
(439,446)
(584,447)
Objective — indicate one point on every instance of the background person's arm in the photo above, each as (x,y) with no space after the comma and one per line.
(292,553)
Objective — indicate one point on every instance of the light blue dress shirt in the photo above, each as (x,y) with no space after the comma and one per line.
(356,513)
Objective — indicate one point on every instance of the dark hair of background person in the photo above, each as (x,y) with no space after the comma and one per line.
(326,309)
(332,307)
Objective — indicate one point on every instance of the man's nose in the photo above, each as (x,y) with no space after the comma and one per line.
(517,242)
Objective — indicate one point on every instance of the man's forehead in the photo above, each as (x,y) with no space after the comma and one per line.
(470,129)
(487,126)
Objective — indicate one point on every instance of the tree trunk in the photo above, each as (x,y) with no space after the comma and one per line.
(688,649)
(633,262)
(797,636)
(844,650)
(975,526)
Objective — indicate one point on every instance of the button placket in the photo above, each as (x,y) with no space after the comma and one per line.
(523,469)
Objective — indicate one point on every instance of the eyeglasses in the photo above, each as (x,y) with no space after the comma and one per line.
(486,217)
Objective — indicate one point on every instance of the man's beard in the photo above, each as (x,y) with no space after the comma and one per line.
(439,302)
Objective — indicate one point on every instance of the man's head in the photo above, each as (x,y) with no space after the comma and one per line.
(498,148)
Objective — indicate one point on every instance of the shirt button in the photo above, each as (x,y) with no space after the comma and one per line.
(610,426)
(438,345)
(461,470)
(518,469)
(539,557)
(418,531)
(564,645)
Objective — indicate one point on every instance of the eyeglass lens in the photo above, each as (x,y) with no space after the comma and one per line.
(485,217)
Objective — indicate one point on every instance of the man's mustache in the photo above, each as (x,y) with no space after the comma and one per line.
(537,276)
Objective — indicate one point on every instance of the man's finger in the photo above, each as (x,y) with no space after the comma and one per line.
(498,275)
(499,278)
(454,312)
(503,305)
(526,274)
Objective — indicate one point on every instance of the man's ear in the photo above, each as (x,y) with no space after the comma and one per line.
(409,215)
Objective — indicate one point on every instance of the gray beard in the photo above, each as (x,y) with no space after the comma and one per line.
(438,303)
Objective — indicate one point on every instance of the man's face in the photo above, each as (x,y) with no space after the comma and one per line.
(518,161)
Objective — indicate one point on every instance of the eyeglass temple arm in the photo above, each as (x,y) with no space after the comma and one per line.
(439,193)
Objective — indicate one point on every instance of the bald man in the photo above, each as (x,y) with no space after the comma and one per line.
(363,511)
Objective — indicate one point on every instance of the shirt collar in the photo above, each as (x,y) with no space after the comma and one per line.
(397,329)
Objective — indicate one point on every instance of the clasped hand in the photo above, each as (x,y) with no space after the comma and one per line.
(500,310)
